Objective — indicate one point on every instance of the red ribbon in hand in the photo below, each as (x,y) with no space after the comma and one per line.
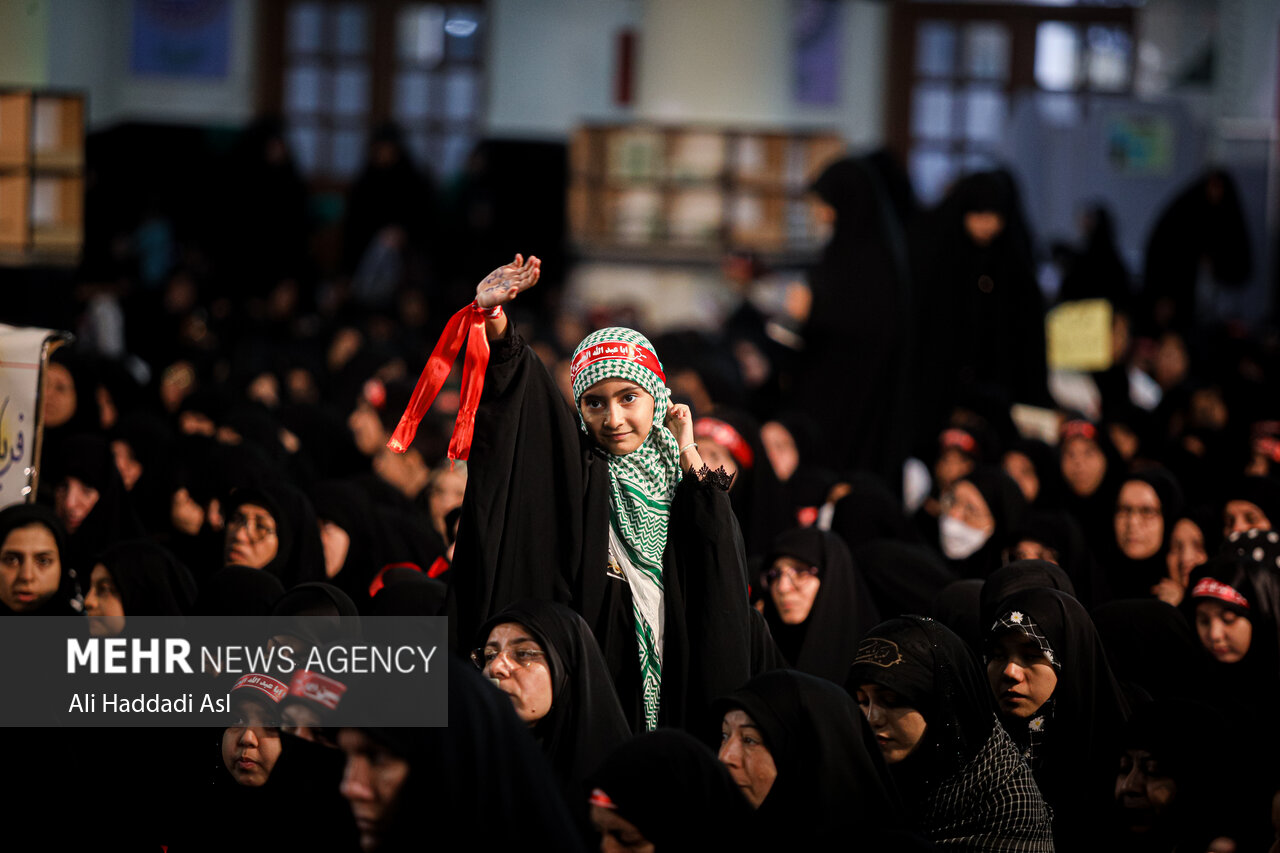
(467,324)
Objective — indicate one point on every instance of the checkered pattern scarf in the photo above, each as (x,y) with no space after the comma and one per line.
(641,486)
(1016,620)
(992,803)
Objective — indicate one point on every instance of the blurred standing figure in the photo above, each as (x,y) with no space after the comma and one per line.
(390,213)
(265,227)
(1200,241)
(851,379)
(982,314)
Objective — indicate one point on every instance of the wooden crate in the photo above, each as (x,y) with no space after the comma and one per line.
(42,180)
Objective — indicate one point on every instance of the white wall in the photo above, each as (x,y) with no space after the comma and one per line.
(729,61)
(24,39)
(80,53)
(90,44)
(551,64)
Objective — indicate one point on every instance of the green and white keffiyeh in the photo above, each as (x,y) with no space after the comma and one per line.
(641,486)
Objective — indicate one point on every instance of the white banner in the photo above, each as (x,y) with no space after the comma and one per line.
(24,352)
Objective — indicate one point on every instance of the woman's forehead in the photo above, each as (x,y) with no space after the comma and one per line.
(249,509)
(510,632)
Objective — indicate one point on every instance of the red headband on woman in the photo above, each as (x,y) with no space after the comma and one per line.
(959,439)
(721,433)
(1078,429)
(1210,588)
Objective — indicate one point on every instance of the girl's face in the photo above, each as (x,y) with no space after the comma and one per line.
(103,605)
(73,500)
(618,414)
(1186,550)
(1083,466)
(58,396)
(251,749)
(30,568)
(1138,522)
(744,755)
(1021,677)
(781,449)
(898,727)
(1226,634)
(1018,466)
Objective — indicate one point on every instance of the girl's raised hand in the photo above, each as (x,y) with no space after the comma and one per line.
(508,281)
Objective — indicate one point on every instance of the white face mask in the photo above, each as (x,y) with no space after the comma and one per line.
(959,540)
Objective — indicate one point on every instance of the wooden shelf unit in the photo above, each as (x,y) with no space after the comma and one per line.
(42,179)
(692,190)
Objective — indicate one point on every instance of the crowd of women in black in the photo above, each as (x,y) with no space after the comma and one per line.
(691,604)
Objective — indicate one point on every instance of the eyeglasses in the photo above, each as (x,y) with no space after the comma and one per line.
(258,530)
(1146,513)
(524,657)
(797,576)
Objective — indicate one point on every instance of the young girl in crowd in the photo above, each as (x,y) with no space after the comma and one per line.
(605,506)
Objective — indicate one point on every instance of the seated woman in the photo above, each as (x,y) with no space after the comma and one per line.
(1232,604)
(34,579)
(1253,503)
(1091,469)
(251,747)
(817,605)
(90,500)
(800,751)
(979,512)
(960,776)
(264,772)
(1058,700)
(1193,539)
(666,790)
(1168,797)
(480,784)
(730,440)
(274,528)
(542,655)
(1147,507)
(136,578)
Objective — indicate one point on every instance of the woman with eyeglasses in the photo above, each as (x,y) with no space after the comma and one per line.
(544,658)
(817,606)
(1146,511)
(274,528)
